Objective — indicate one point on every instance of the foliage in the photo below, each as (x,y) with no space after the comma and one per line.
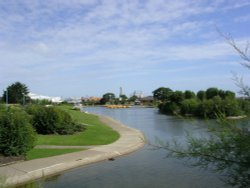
(107,97)
(177,97)
(40,101)
(169,108)
(16,93)
(189,94)
(17,136)
(205,105)
(227,151)
(133,98)
(211,92)
(51,120)
(162,93)
(189,106)
(201,95)
(96,133)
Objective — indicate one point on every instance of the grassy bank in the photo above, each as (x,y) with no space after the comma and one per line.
(96,133)
(42,153)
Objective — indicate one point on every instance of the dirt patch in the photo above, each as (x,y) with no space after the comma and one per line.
(11,159)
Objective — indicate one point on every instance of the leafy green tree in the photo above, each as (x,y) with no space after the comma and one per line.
(108,97)
(212,92)
(201,95)
(17,135)
(189,94)
(189,106)
(123,99)
(177,97)
(17,93)
(133,98)
(162,93)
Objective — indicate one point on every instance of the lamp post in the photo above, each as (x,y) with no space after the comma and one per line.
(23,99)
(7,99)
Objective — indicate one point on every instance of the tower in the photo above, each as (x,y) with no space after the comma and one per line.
(121,91)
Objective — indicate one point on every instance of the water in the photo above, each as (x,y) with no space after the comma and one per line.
(146,167)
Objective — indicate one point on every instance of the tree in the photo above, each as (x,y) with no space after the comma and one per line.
(201,95)
(211,92)
(189,94)
(162,93)
(108,97)
(177,97)
(17,93)
(123,99)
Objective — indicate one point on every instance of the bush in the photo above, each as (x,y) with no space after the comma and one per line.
(169,108)
(189,106)
(17,135)
(51,120)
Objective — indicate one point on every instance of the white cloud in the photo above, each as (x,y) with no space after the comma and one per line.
(44,40)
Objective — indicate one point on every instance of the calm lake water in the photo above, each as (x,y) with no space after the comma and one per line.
(146,167)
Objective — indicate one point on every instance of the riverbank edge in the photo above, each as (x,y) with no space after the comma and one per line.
(23,172)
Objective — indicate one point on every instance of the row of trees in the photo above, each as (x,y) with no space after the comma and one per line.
(112,99)
(205,104)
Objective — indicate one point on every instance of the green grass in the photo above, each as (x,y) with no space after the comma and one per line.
(97,133)
(42,153)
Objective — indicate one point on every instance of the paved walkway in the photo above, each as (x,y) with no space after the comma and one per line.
(19,173)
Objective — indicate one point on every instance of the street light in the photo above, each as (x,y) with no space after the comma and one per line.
(23,99)
(7,97)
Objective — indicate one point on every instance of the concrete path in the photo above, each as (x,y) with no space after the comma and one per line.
(19,173)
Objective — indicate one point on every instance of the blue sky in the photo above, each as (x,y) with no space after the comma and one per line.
(90,47)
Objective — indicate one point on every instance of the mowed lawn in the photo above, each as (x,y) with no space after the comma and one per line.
(96,133)
(42,153)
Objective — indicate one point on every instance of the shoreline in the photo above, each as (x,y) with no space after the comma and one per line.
(23,172)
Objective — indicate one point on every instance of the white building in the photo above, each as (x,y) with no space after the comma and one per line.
(41,97)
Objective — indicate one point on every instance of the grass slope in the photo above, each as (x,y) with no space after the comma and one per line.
(96,132)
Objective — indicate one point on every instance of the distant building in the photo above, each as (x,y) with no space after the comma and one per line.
(43,97)
(90,100)
(138,94)
(147,100)
(73,100)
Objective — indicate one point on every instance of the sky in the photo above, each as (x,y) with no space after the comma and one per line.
(89,47)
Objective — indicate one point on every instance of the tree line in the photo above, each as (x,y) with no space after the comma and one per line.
(204,104)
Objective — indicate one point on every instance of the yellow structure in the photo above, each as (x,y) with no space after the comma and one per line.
(117,106)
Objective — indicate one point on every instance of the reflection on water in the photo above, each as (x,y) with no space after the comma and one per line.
(146,167)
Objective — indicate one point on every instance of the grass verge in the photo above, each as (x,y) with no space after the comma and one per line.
(42,153)
(96,133)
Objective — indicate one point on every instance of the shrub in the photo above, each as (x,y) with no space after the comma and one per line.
(169,108)
(189,106)
(17,135)
(51,120)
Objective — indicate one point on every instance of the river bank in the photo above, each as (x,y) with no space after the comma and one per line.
(19,173)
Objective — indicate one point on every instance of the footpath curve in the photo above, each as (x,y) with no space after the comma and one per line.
(22,172)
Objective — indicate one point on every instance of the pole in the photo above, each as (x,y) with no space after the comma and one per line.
(23,99)
(7,101)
